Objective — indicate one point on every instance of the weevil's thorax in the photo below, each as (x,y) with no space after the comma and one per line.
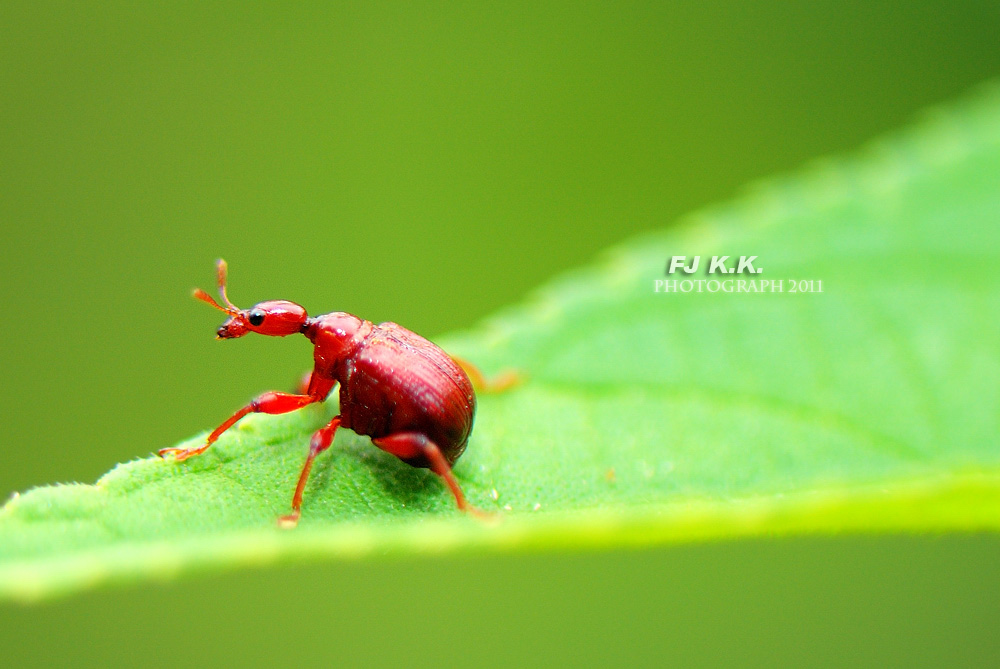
(337,337)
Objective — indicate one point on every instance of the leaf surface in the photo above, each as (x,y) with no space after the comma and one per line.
(646,416)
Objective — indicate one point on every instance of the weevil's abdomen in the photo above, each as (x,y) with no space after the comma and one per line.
(397,381)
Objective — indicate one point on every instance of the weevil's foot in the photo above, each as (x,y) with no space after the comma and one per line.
(290,521)
(181,454)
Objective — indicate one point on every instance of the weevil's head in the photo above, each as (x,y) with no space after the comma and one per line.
(276,318)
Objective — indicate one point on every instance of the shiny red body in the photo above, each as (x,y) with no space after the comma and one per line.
(392,380)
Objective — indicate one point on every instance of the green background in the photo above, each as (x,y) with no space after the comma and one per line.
(425,163)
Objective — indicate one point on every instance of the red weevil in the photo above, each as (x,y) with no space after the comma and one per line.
(413,399)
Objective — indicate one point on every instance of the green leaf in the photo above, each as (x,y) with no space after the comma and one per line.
(647,417)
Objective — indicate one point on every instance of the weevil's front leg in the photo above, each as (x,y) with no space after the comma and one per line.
(505,380)
(272,403)
(320,441)
(409,445)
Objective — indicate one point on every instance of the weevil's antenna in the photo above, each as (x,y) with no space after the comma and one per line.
(221,270)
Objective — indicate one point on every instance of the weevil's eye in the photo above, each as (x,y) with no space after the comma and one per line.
(255,317)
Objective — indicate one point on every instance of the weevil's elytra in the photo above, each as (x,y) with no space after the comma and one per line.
(413,399)
(394,380)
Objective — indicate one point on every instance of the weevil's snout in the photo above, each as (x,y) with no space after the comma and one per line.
(232,328)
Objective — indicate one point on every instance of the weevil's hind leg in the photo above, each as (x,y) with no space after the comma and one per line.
(409,445)
(505,380)
(321,441)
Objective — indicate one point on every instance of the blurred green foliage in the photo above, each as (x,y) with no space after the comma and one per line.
(844,601)
(422,162)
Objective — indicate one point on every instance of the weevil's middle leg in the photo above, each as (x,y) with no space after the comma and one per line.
(320,441)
